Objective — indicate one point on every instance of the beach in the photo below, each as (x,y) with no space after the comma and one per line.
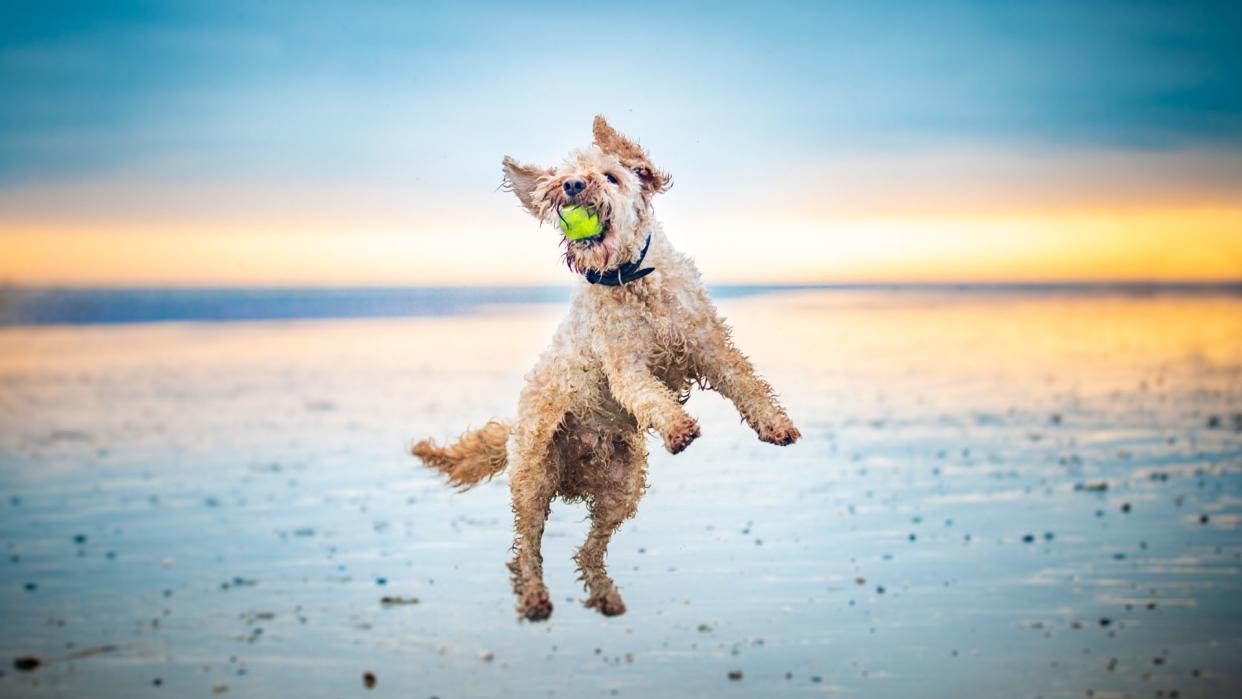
(997,494)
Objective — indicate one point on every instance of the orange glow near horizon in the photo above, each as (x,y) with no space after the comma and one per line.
(967,214)
(1156,245)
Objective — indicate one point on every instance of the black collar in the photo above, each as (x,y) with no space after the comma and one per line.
(624,273)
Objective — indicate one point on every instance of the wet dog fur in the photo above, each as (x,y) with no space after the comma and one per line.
(621,365)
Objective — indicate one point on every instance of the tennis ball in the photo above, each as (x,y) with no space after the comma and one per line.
(579,222)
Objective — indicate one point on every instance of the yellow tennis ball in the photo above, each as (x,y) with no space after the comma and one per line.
(579,222)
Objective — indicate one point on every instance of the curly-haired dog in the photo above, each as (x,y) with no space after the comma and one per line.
(640,333)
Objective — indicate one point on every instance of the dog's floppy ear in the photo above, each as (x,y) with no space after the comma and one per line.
(521,180)
(631,155)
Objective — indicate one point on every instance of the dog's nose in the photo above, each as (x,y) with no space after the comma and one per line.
(574,185)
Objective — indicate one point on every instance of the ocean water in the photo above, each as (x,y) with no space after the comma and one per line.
(1000,492)
(54,305)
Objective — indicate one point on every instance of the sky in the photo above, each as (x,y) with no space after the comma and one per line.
(311,143)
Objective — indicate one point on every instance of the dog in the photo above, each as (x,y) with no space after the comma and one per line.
(641,332)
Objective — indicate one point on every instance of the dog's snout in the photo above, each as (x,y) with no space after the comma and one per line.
(574,185)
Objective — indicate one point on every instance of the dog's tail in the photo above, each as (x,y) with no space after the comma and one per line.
(477,455)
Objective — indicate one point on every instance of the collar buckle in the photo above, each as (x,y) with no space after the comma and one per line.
(624,273)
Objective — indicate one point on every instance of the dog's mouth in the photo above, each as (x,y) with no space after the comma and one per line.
(575,242)
(597,238)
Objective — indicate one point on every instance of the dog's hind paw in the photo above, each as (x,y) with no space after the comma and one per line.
(781,433)
(684,432)
(608,605)
(535,605)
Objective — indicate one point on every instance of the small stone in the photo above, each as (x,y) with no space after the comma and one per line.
(394,600)
(487,656)
(368,680)
(735,675)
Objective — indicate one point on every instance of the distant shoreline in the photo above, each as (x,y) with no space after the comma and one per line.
(35,305)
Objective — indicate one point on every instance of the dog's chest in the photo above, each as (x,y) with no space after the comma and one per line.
(669,342)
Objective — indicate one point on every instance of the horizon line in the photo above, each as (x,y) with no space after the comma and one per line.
(1135,283)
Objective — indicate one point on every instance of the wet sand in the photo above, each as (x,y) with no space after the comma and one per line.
(997,495)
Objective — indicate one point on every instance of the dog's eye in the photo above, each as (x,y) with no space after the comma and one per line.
(611,180)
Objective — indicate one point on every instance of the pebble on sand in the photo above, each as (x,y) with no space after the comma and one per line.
(392,600)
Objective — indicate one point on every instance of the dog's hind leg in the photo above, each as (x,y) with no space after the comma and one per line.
(533,489)
(616,487)
(535,475)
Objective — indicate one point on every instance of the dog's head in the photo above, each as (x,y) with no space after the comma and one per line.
(614,177)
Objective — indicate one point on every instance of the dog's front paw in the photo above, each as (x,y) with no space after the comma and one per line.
(685,431)
(780,432)
(535,605)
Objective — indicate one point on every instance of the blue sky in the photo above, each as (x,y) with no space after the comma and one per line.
(106,100)
(100,83)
